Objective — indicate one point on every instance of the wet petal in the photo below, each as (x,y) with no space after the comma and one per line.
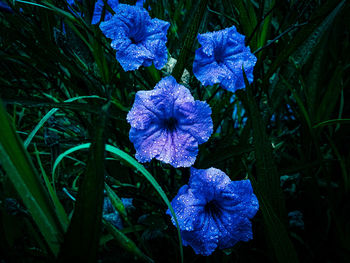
(211,73)
(195,118)
(138,39)
(180,149)
(187,208)
(205,240)
(238,198)
(240,229)
(133,57)
(208,181)
(148,143)
(98,10)
(222,216)
(163,127)
(221,57)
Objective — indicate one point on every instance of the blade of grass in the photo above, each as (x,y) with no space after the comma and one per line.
(247,19)
(116,201)
(268,184)
(20,170)
(125,242)
(31,3)
(331,122)
(49,114)
(342,164)
(131,161)
(268,5)
(304,51)
(300,54)
(62,215)
(276,231)
(306,32)
(189,40)
(83,234)
(330,98)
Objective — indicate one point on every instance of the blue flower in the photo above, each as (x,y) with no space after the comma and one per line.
(99,6)
(213,211)
(168,124)
(221,57)
(138,39)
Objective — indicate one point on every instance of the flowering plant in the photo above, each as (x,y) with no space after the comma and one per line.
(168,124)
(200,112)
(213,211)
(222,57)
(138,39)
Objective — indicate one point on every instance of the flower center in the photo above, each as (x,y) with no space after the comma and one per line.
(133,40)
(218,55)
(170,124)
(213,208)
(137,32)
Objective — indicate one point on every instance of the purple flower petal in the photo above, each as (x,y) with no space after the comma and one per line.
(205,240)
(98,10)
(168,124)
(214,211)
(221,57)
(196,120)
(188,208)
(212,181)
(138,39)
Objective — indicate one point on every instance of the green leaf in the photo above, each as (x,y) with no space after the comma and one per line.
(276,231)
(83,234)
(247,19)
(131,161)
(20,170)
(115,200)
(303,52)
(268,5)
(30,3)
(49,114)
(300,103)
(100,58)
(331,122)
(189,40)
(126,243)
(61,213)
(268,185)
(331,96)
(305,33)
(301,48)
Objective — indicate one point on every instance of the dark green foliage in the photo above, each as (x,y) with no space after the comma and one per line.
(82,237)
(189,40)
(288,132)
(268,185)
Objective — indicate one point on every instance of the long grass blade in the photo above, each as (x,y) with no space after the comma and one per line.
(83,234)
(131,161)
(268,186)
(126,243)
(305,33)
(49,114)
(189,40)
(20,170)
